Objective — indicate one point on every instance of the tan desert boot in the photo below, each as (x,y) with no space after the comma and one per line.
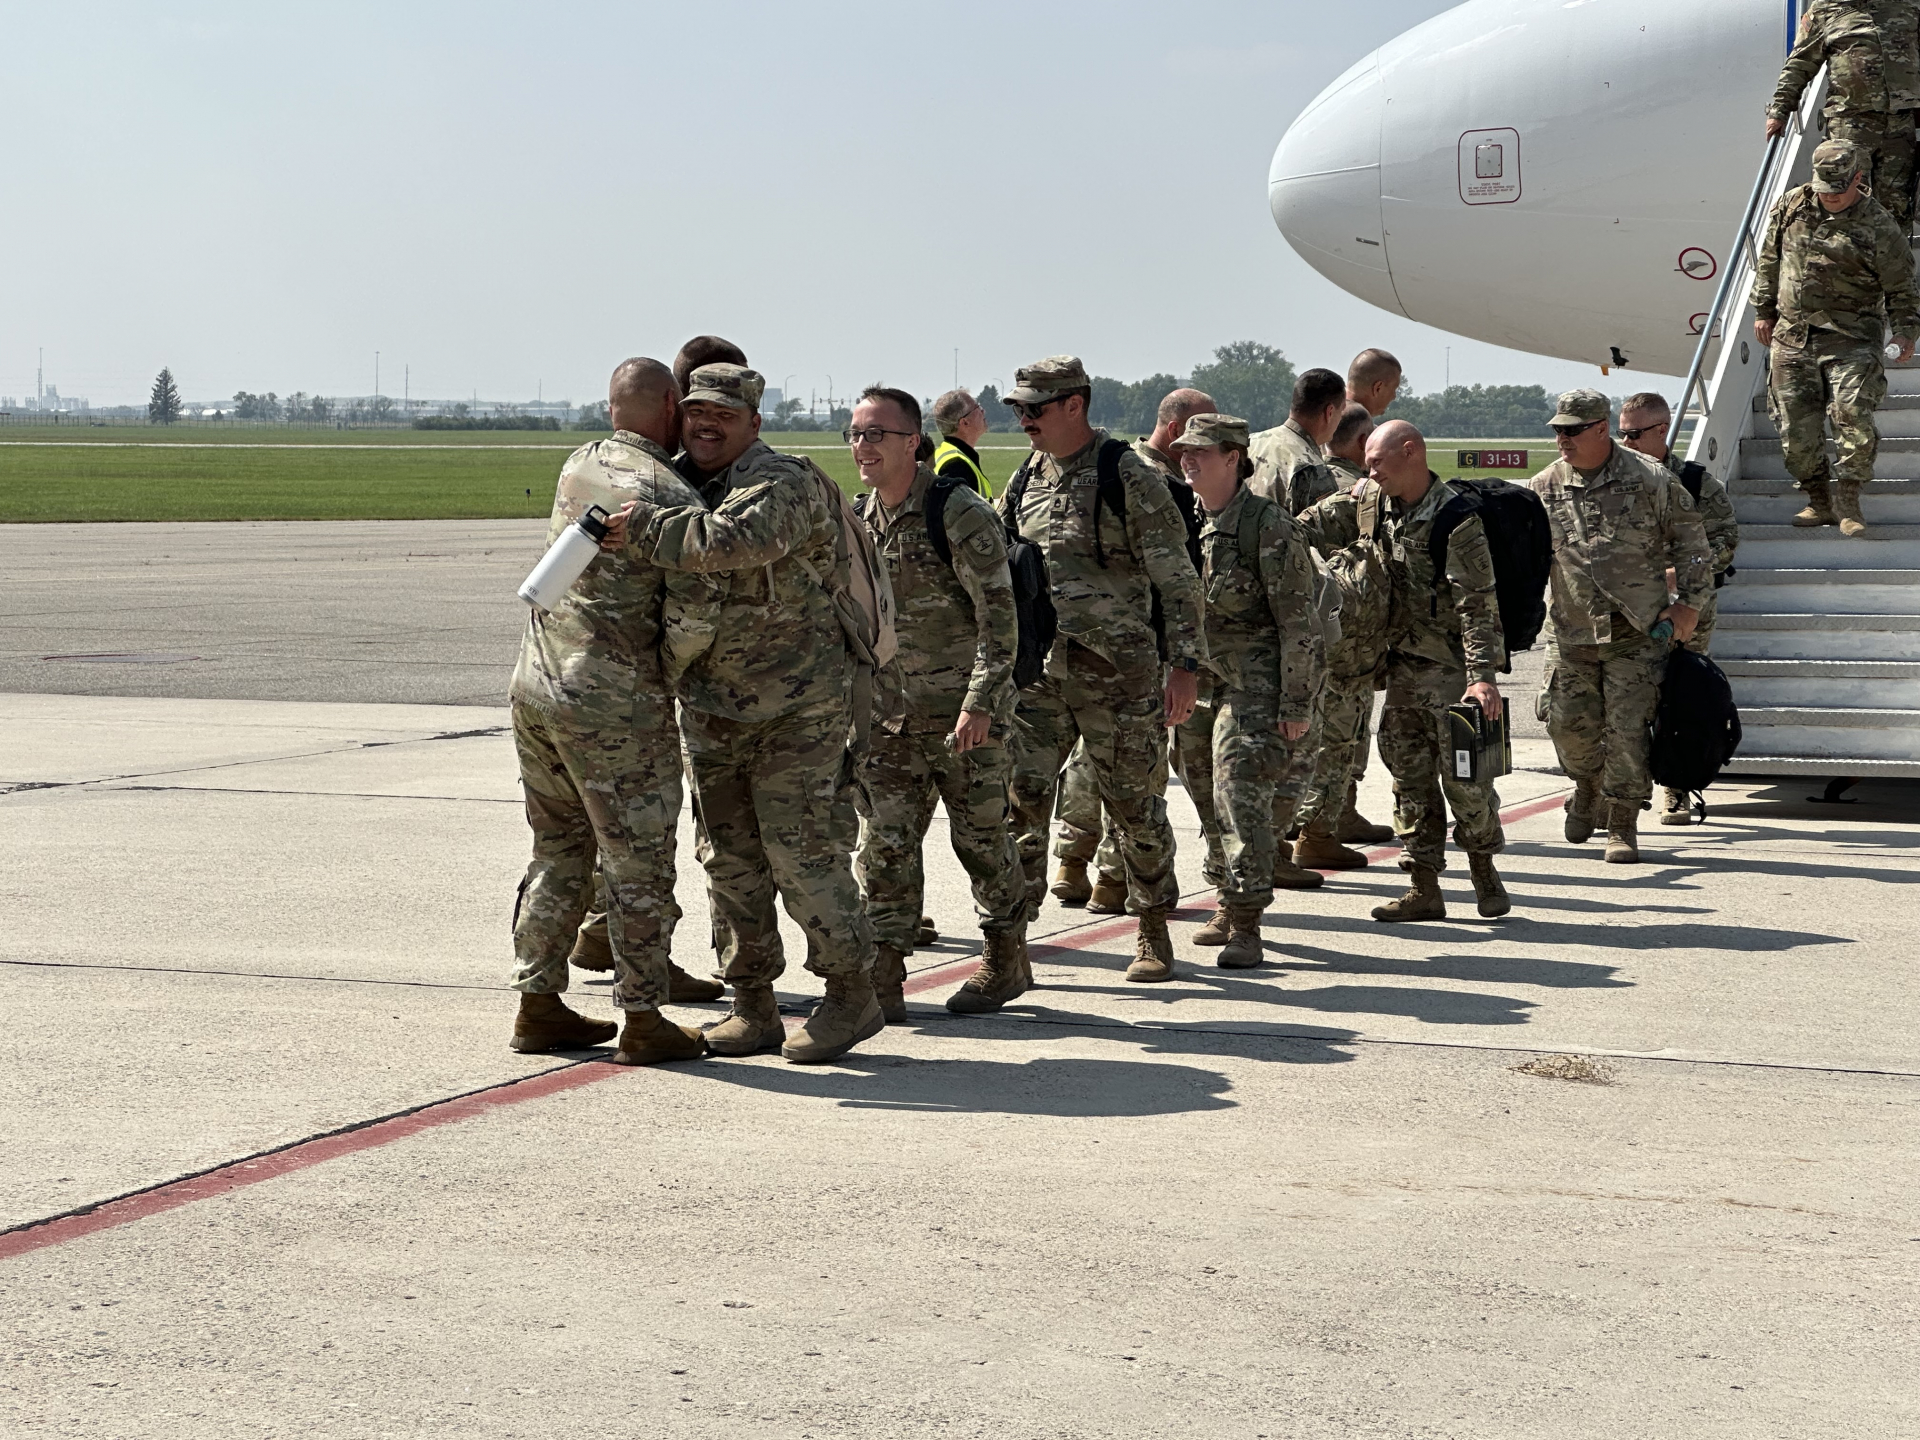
(1152,949)
(545,1023)
(1244,948)
(1487,886)
(754,1025)
(1070,883)
(1421,902)
(1004,975)
(649,1038)
(849,1014)
(889,982)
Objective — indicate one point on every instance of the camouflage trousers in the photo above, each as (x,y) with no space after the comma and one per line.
(1417,751)
(905,776)
(1344,711)
(1891,169)
(1120,718)
(610,794)
(1251,761)
(773,803)
(1082,834)
(1597,704)
(1833,378)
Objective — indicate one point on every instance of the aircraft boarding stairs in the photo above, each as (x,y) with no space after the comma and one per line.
(1818,634)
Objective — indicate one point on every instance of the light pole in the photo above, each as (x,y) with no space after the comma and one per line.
(786,392)
(829,399)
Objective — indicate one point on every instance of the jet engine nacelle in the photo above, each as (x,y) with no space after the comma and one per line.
(1558,176)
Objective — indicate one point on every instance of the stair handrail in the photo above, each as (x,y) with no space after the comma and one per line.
(1783,154)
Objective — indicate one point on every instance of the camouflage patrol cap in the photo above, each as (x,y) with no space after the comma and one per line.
(1047,379)
(731,385)
(1228,430)
(1581,407)
(1835,163)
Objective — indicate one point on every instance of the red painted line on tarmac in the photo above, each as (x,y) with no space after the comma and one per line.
(304,1154)
(301,1155)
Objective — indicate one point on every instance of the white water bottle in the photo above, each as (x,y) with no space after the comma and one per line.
(566,560)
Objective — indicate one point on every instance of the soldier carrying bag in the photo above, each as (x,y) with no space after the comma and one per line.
(1110,493)
(1032,588)
(1693,477)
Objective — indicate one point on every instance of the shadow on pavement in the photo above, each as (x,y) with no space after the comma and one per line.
(1064,1087)
(1522,928)
(1307,960)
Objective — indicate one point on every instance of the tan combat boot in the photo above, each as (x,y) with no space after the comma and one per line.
(1623,837)
(592,950)
(1289,876)
(1109,895)
(685,989)
(1847,506)
(545,1023)
(1819,507)
(1070,883)
(928,933)
(1354,828)
(1674,809)
(1152,948)
(848,1015)
(649,1038)
(1244,948)
(889,983)
(1004,975)
(1580,807)
(754,1025)
(1421,902)
(1218,927)
(1487,888)
(1318,849)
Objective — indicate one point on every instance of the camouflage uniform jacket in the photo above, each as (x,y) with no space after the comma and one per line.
(1345,472)
(1109,609)
(957,624)
(1851,272)
(1613,538)
(1451,619)
(1262,634)
(779,647)
(1716,514)
(1289,467)
(1153,457)
(615,646)
(1869,51)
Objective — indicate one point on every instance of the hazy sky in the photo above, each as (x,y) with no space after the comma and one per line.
(513,197)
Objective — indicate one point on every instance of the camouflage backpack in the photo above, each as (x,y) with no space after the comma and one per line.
(1358,593)
(863,604)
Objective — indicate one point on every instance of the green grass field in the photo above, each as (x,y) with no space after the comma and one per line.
(50,474)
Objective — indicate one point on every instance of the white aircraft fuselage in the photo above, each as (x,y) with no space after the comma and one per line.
(1558,176)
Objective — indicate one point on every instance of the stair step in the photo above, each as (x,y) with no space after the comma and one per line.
(1884,513)
(1754,486)
(1907,400)
(1835,767)
(1782,547)
(1889,464)
(1762,620)
(1825,693)
(1835,717)
(1784,575)
(1835,669)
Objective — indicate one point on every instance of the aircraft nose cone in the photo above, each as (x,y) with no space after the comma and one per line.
(1324,187)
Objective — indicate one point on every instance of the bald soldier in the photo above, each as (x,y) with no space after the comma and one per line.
(593,725)
(1373,380)
(1078,813)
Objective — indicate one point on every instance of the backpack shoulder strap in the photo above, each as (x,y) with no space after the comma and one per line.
(1015,494)
(1369,512)
(1109,490)
(938,493)
(1693,475)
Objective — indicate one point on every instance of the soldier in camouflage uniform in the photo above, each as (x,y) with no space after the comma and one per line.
(592,700)
(1329,816)
(1263,644)
(1103,680)
(1645,420)
(943,734)
(1834,270)
(1191,748)
(766,714)
(1290,460)
(1872,54)
(1444,645)
(1619,522)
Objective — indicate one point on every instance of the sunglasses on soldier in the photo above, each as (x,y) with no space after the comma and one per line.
(1032,412)
(1567,432)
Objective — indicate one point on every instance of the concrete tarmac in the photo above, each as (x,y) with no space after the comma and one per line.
(265,937)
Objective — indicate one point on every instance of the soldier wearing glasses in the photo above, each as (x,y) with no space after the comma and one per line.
(1619,522)
(1103,682)
(943,736)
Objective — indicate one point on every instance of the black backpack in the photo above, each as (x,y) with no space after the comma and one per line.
(1695,728)
(1522,546)
(1692,475)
